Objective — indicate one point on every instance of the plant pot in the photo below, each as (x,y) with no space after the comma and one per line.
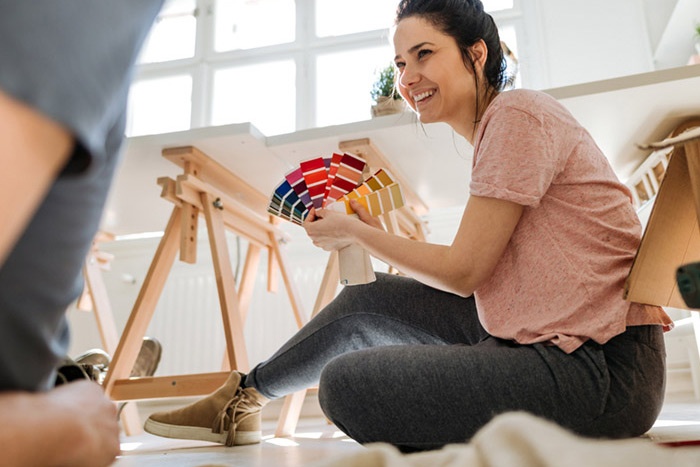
(387,106)
(697,45)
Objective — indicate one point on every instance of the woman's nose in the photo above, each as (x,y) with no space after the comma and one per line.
(407,77)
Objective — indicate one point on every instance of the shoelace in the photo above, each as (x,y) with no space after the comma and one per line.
(235,411)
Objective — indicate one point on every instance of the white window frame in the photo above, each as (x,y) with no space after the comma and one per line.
(303,51)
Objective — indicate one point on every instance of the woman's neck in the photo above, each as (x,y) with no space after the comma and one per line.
(469,129)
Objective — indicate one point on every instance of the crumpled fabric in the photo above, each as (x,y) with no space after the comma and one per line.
(522,440)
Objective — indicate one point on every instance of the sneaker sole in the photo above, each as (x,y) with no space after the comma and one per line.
(199,433)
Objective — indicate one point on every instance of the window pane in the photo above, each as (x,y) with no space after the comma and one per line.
(245,24)
(334,18)
(344,83)
(263,94)
(160,105)
(509,38)
(173,34)
(497,5)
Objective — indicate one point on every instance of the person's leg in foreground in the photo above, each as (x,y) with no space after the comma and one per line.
(63,87)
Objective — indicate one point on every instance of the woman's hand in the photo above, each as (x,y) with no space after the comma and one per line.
(331,230)
(365,216)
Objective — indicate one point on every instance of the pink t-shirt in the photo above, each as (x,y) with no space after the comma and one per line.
(561,277)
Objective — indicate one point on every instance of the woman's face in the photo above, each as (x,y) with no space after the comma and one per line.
(432,76)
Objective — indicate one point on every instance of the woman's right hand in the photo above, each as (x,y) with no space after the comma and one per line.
(365,216)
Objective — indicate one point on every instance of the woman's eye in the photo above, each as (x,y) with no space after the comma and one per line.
(423,53)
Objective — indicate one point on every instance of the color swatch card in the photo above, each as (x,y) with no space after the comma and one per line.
(343,177)
(379,194)
(331,182)
(315,183)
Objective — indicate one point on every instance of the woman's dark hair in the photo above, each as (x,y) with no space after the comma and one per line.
(467,22)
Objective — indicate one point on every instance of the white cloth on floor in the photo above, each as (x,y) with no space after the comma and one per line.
(521,440)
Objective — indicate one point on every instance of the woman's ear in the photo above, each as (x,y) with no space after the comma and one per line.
(479,53)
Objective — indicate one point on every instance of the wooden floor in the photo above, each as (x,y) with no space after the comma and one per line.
(318,441)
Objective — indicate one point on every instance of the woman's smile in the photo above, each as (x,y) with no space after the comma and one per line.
(422,98)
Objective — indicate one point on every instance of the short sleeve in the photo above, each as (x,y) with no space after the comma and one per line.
(513,157)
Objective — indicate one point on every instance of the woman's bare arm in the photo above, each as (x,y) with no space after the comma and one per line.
(486,228)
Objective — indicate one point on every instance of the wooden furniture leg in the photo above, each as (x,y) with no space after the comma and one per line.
(226,285)
(135,328)
(245,289)
(291,410)
(99,301)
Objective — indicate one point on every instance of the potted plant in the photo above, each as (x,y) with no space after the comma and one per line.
(386,100)
(697,38)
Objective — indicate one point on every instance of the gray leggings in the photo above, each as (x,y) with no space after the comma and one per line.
(400,362)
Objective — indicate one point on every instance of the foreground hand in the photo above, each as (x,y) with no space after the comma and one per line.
(93,437)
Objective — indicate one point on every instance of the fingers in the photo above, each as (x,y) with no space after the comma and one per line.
(91,429)
(311,216)
(364,214)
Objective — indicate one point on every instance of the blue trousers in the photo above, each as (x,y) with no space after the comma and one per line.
(400,362)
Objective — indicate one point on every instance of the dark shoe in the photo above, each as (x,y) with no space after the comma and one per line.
(69,371)
(146,362)
(94,357)
(148,358)
(95,363)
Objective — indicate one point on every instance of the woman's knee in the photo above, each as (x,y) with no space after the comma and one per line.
(339,385)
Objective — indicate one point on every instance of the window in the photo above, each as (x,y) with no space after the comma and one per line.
(497,5)
(262,93)
(247,24)
(160,105)
(334,18)
(342,90)
(172,36)
(283,65)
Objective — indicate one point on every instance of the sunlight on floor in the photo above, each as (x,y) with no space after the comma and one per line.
(130,446)
(284,442)
(665,423)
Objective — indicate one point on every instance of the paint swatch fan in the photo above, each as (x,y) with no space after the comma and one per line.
(331,182)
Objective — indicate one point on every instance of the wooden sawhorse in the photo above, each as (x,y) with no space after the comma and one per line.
(205,187)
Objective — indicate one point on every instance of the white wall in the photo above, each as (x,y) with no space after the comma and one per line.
(658,13)
(588,40)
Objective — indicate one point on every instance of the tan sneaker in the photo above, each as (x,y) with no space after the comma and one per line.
(229,416)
